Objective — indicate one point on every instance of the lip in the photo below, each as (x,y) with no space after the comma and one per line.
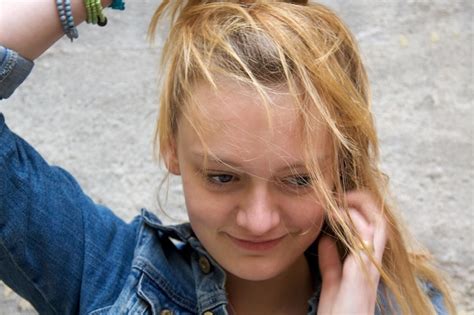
(256,245)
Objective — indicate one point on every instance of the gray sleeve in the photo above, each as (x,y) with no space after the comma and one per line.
(13,71)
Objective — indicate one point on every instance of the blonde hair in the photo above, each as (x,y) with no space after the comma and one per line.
(307,48)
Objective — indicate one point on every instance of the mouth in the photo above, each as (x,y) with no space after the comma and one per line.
(256,245)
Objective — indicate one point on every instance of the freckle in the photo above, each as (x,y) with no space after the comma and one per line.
(434,37)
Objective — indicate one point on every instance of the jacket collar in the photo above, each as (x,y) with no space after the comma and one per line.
(210,286)
(184,234)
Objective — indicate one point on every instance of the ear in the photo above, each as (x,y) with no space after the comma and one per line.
(170,156)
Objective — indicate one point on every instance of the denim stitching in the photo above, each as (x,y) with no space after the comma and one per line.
(26,277)
(158,280)
(11,57)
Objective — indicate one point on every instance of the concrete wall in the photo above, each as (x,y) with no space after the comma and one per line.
(90,107)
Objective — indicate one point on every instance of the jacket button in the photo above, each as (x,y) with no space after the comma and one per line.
(208,313)
(166,312)
(205,265)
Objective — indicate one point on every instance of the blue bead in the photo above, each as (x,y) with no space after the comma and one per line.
(117,5)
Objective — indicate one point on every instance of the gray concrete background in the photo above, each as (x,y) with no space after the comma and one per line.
(90,107)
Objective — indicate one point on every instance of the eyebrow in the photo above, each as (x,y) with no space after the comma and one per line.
(229,162)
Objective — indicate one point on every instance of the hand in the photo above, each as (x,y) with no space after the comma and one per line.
(346,288)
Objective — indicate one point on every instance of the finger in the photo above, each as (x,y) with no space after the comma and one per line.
(364,272)
(365,203)
(330,267)
(363,227)
(372,212)
(365,231)
(361,275)
(380,239)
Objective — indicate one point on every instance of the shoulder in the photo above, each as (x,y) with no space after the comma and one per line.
(388,302)
(160,276)
(436,297)
(170,271)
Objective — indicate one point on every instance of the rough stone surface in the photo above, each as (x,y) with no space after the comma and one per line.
(91,106)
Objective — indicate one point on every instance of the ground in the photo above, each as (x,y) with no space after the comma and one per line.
(90,107)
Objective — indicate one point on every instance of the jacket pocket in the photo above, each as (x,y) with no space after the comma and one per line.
(160,301)
(135,305)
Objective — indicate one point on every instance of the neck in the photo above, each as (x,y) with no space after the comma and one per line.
(287,293)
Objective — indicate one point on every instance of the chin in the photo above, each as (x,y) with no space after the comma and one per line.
(253,271)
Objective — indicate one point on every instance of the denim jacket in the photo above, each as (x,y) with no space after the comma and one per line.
(68,255)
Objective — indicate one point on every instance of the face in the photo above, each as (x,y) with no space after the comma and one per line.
(250,202)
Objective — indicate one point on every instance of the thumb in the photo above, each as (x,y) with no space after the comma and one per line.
(330,267)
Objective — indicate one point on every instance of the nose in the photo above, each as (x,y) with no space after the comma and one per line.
(258,214)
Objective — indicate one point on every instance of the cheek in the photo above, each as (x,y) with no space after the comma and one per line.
(202,206)
(303,213)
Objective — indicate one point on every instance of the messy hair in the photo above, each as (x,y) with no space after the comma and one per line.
(308,49)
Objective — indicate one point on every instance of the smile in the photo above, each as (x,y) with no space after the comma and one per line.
(256,245)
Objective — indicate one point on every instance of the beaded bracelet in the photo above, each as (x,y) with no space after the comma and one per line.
(94,13)
(67,21)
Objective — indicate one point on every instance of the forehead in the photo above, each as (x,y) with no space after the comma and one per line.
(235,106)
(233,122)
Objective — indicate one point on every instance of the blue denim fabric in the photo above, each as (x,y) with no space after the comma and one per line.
(68,255)
(13,71)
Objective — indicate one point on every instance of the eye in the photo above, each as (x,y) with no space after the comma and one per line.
(298,181)
(220,179)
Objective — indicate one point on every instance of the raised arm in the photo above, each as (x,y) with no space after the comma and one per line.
(58,249)
(31,27)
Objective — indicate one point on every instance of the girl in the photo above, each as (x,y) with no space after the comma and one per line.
(265,115)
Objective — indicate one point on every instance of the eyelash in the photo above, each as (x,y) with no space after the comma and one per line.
(299,181)
(210,178)
(292,182)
